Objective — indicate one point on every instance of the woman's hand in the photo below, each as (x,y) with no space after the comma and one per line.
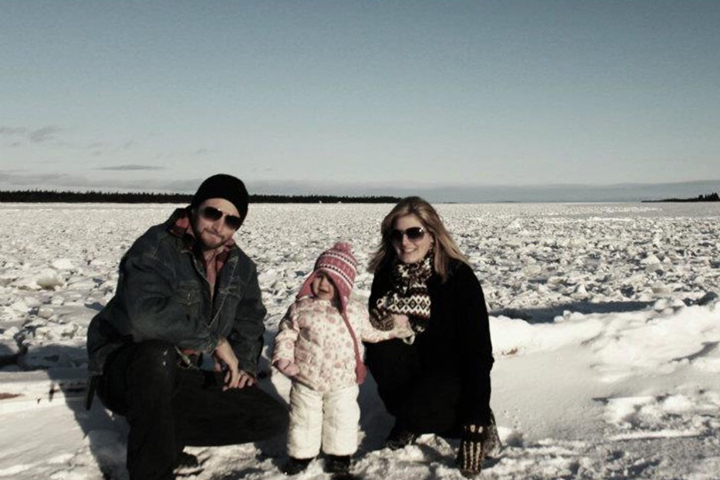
(287,368)
(477,443)
(401,321)
(402,329)
(472,450)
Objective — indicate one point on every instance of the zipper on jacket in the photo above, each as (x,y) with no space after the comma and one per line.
(200,271)
(215,313)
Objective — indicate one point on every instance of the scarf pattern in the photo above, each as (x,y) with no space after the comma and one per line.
(408,296)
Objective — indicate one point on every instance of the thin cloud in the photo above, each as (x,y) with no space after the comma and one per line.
(12,131)
(11,178)
(32,135)
(42,135)
(54,181)
(130,168)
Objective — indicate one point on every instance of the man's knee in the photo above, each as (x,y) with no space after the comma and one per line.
(277,415)
(153,364)
(246,415)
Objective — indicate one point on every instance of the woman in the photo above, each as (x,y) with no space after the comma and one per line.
(438,381)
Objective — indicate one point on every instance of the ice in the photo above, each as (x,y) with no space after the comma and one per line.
(22,306)
(8,350)
(604,319)
(650,260)
(63,264)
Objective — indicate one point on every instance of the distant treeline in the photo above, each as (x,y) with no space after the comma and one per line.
(710,197)
(45,196)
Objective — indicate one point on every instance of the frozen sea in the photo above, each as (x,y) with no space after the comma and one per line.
(604,317)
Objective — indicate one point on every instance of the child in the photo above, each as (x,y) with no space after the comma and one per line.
(318,345)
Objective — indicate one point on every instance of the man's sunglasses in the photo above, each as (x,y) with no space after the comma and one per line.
(213,214)
(413,234)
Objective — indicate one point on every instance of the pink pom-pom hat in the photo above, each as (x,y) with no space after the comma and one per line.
(340,265)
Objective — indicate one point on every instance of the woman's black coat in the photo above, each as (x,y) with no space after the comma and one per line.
(453,355)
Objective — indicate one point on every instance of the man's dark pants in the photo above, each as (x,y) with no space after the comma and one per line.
(169,407)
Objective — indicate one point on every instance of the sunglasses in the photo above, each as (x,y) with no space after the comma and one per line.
(213,214)
(413,234)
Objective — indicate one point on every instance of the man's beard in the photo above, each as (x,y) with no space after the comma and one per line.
(211,240)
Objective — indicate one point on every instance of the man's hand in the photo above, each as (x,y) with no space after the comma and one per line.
(246,380)
(234,377)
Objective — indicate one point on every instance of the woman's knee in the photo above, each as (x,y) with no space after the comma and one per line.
(431,406)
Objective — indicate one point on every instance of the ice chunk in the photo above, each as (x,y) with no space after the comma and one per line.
(650,260)
(515,225)
(533,270)
(8,349)
(57,300)
(63,264)
(32,302)
(50,279)
(9,333)
(20,306)
(267,276)
(660,288)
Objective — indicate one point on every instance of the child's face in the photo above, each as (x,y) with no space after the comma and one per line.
(322,287)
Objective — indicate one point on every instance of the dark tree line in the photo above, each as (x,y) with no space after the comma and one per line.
(46,196)
(710,197)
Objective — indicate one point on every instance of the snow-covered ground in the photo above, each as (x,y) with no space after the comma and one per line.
(605,324)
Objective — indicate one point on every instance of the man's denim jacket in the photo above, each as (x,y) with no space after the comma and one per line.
(163,294)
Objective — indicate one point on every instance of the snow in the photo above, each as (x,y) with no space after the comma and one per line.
(605,324)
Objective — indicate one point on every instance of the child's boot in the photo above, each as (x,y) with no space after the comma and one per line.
(399,438)
(338,464)
(295,465)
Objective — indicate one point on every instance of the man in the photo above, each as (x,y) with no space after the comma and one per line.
(185,290)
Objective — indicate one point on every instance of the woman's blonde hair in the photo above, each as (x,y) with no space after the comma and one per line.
(444,246)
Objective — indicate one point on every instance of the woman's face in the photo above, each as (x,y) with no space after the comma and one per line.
(410,250)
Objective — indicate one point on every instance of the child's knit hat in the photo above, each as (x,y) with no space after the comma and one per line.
(340,265)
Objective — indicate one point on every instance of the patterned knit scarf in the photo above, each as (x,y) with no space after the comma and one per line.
(408,296)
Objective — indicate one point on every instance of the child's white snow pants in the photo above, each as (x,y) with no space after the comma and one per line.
(330,418)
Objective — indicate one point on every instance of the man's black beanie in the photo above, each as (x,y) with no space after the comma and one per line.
(224,186)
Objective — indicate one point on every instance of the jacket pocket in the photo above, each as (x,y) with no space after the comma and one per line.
(189,293)
(234,291)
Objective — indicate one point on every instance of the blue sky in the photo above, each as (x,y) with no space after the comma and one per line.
(358,96)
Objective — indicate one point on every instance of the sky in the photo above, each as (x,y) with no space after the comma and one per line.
(450,98)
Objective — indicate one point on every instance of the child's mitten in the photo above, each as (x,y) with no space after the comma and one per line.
(287,368)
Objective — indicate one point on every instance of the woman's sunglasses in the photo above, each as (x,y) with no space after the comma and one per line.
(413,234)
(213,214)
